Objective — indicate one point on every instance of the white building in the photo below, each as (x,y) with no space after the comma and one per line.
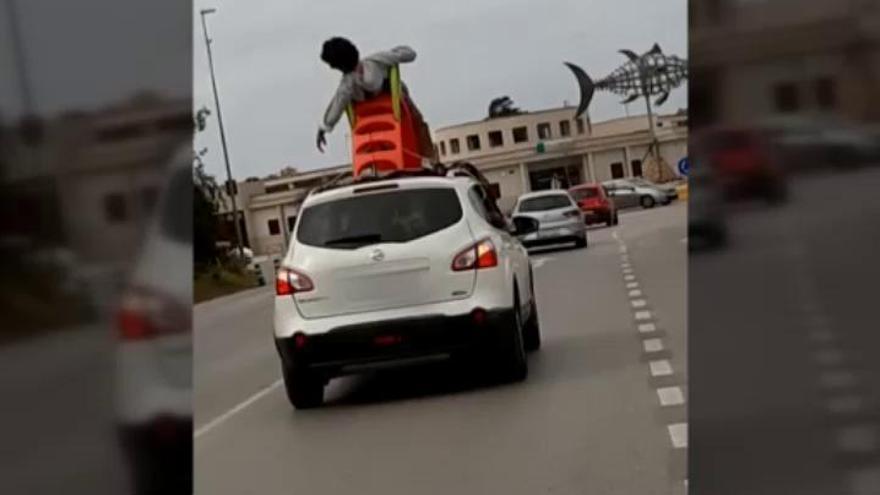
(506,149)
(522,153)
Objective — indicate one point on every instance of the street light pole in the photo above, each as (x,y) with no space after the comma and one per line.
(208,41)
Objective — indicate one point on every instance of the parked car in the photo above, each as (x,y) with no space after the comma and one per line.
(707,225)
(746,162)
(558,215)
(154,351)
(627,194)
(669,188)
(400,271)
(595,204)
(248,254)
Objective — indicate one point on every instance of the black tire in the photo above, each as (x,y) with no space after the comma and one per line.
(304,391)
(616,218)
(532,331)
(581,242)
(514,365)
(647,201)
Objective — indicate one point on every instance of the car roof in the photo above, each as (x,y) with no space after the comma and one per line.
(456,182)
(586,185)
(537,194)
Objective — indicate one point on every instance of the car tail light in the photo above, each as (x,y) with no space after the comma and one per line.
(572,213)
(289,281)
(480,255)
(300,340)
(145,314)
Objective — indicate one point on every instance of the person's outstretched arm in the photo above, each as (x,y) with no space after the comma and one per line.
(398,55)
(333,113)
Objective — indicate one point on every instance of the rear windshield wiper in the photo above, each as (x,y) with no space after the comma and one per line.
(363,239)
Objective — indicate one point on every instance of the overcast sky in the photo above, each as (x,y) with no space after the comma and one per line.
(274,88)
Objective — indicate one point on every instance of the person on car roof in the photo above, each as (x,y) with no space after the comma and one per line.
(363,78)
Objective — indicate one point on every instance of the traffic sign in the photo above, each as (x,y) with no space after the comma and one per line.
(683,166)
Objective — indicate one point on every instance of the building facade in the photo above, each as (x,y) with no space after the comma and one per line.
(537,150)
(517,154)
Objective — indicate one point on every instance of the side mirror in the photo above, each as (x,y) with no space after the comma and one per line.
(525,225)
(497,220)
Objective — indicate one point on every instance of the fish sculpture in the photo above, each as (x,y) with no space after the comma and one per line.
(651,74)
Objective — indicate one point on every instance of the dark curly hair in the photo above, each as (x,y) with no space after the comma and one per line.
(340,54)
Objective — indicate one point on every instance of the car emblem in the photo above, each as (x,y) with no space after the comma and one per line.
(377,255)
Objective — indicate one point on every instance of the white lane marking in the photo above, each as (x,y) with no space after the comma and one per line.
(829,357)
(857,439)
(653,345)
(847,404)
(660,368)
(837,379)
(539,262)
(635,293)
(625,266)
(614,234)
(237,409)
(643,315)
(822,336)
(670,396)
(629,278)
(865,481)
(627,271)
(632,285)
(678,435)
(623,248)
(647,328)
(639,303)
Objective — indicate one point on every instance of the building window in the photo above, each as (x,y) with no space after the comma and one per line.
(277,188)
(520,134)
(544,130)
(826,97)
(564,128)
(637,167)
(149,195)
(274,227)
(115,209)
(443,148)
(616,170)
(291,222)
(453,146)
(786,97)
(579,123)
(473,142)
(496,139)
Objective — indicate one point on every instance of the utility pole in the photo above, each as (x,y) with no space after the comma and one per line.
(230,183)
(27,98)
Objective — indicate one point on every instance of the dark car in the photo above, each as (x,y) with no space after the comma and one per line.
(595,204)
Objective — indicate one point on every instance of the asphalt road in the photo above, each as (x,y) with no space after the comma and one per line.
(589,419)
(783,343)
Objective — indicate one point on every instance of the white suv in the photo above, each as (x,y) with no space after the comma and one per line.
(400,271)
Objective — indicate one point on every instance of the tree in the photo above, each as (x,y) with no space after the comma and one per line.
(207,201)
(288,171)
(502,107)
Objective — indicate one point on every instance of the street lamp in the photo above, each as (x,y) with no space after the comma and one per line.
(232,190)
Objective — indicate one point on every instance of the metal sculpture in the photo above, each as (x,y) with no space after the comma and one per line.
(651,74)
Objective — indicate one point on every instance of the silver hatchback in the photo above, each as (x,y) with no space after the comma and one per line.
(560,220)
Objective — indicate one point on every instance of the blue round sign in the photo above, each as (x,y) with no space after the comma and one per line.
(683,165)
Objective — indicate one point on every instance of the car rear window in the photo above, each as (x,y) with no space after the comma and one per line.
(585,193)
(399,216)
(548,202)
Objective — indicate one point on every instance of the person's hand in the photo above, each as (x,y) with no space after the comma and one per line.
(321,140)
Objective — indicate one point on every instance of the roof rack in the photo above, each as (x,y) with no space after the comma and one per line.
(456,169)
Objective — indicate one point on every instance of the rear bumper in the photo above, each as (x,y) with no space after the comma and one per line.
(596,215)
(392,343)
(556,233)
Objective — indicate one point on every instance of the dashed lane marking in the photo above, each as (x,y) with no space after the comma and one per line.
(678,435)
(237,409)
(639,303)
(635,293)
(643,315)
(660,368)
(632,285)
(670,396)
(647,328)
(653,345)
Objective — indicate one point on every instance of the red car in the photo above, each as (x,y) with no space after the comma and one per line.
(595,204)
(744,160)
